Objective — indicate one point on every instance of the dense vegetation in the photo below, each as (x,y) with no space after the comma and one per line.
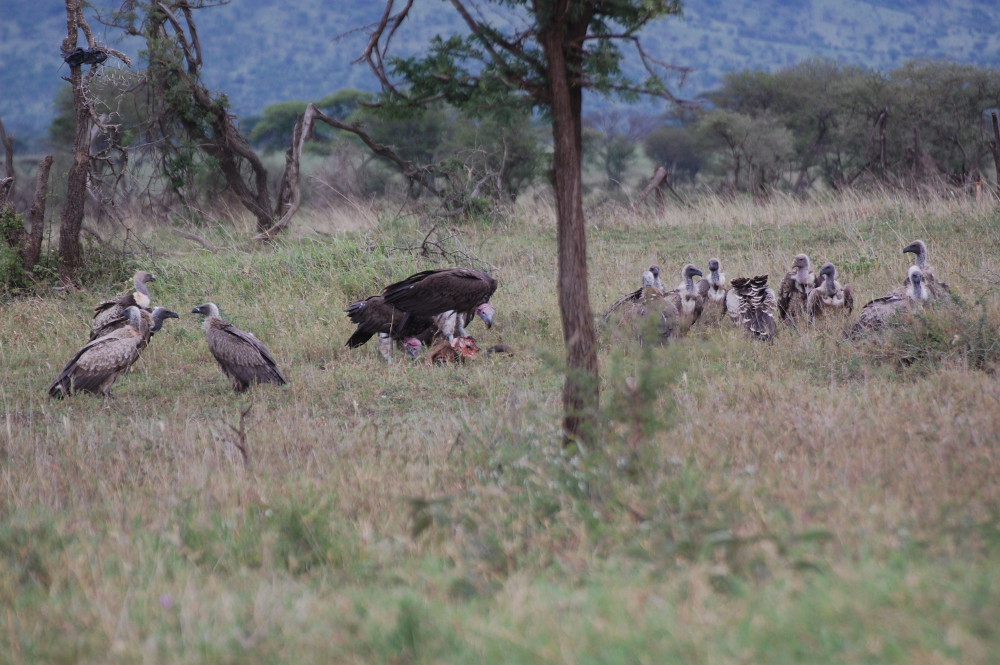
(811,500)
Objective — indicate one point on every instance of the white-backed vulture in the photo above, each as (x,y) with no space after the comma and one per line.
(795,288)
(462,290)
(751,306)
(829,294)
(109,312)
(936,289)
(150,322)
(713,290)
(242,357)
(877,314)
(686,299)
(374,316)
(96,366)
(651,285)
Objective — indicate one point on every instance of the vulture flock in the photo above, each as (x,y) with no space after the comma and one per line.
(653,312)
(422,309)
(434,308)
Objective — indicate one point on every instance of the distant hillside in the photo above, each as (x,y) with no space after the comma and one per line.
(260,52)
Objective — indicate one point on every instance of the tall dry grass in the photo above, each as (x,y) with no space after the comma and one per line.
(810,501)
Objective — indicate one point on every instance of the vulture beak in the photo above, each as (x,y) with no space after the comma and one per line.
(170,314)
(696,273)
(196,310)
(486,312)
(912,248)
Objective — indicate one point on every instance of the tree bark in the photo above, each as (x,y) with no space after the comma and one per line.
(71,221)
(995,146)
(561,41)
(32,247)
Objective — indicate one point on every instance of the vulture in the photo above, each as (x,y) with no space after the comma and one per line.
(936,290)
(751,306)
(713,290)
(150,323)
(242,357)
(829,294)
(100,362)
(107,313)
(461,290)
(686,298)
(651,285)
(374,316)
(877,313)
(795,288)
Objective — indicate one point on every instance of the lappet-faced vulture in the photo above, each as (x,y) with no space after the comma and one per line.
(877,314)
(829,296)
(374,316)
(108,314)
(751,306)
(96,366)
(795,288)
(936,289)
(242,357)
(464,291)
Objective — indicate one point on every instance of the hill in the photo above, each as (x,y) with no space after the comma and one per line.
(260,53)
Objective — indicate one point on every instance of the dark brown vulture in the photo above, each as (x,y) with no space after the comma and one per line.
(713,290)
(374,316)
(751,306)
(795,289)
(108,314)
(651,285)
(242,357)
(100,362)
(461,290)
(829,295)
(877,314)
(936,290)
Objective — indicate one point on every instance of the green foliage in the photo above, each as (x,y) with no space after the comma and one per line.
(677,149)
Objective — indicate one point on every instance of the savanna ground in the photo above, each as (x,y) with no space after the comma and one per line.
(811,501)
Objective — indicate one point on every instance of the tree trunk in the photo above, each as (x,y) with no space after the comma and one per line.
(31,249)
(71,221)
(995,146)
(561,41)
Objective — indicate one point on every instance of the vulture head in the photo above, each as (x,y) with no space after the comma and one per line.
(830,274)
(160,314)
(139,280)
(689,272)
(654,270)
(486,312)
(918,247)
(713,266)
(412,346)
(800,266)
(208,309)
(916,287)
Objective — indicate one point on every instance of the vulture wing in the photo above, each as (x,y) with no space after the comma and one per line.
(876,313)
(633,297)
(786,292)
(751,304)
(243,357)
(434,291)
(96,366)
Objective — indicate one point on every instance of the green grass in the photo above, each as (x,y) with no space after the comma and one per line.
(811,501)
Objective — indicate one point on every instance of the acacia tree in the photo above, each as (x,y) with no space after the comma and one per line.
(524,54)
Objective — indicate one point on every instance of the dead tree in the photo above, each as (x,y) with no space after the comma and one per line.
(995,146)
(28,243)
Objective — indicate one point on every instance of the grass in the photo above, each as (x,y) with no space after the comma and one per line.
(811,501)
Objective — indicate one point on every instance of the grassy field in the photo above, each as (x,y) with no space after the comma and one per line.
(812,501)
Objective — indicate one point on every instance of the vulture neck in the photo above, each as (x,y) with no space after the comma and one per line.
(802,276)
(916,290)
(831,284)
(921,257)
(689,283)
